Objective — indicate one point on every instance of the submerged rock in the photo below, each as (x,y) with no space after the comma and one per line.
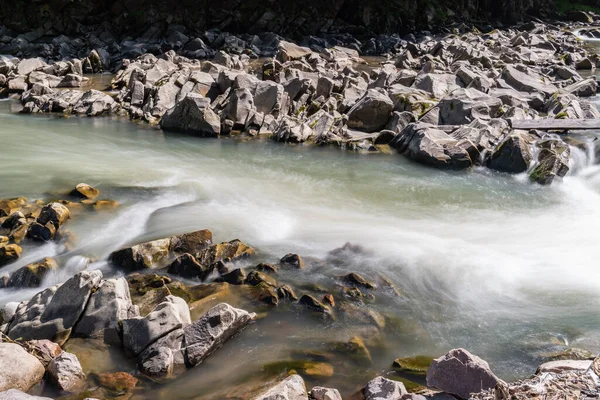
(461,373)
(292,260)
(15,394)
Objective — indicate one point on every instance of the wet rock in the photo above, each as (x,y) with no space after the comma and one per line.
(66,373)
(159,363)
(8,311)
(553,161)
(41,232)
(18,369)
(355,349)
(292,260)
(461,373)
(305,368)
(55,213)
(572,353)
(119,382)
(109,304)
(145,255)
(584,88)
(312,303)
(357,280)
(9,253)
(85,191)
(255,278)
(430,146)
(322,393)
(527,83)
(382,388)
(371,113)
(44,350)
(192,115)
(329,300)
(291,388)
(562,366)
(139,333)
(267,268)
(32,275)
(513,155)
(52,313)
(212,330)
(191,242)
(187,266)
(416,365)
(226,251)
(285,292)
(235,277)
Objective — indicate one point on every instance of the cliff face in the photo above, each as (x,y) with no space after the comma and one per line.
(286,17)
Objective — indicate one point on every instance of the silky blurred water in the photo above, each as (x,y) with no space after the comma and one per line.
(485,261)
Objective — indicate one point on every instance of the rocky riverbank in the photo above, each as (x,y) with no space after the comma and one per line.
(171,303)
(444,101)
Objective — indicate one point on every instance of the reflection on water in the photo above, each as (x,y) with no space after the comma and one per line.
(483,260)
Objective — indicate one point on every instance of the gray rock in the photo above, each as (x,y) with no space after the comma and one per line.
(25,67)
(165,97)
(288,51)
(158,363)
(291,388)
(322,393)
(212,330)
(18,369)
(65,372)
(430,146)
(139,333)
(292,130)
(513,155)
(192,115)
(52,313)
(240,107)
(107,306)
(371,113)
(8,311)
(382,388)
(462,106)
(461,373)
(14,394)
(94,103)
(584,88)
(437,85)
(562,366)
(527,82)
(268,97)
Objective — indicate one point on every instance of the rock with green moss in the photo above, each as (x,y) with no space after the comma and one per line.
(553,161)
(355,350)
(416,365)
(303,367)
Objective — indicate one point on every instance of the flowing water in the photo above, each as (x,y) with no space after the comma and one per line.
(485,261)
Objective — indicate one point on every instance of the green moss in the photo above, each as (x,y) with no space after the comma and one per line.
(416,365)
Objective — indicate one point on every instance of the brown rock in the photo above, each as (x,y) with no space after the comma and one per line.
(117,381)
(192,242)
(292,260)
(44,350)
(32,275)
(85,191)
(9,253)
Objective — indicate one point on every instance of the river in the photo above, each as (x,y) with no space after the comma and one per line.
(485,261)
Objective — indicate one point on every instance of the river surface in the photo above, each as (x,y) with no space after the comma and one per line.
(485,261)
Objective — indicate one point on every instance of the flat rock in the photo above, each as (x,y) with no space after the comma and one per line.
(14,394)
(18,369)
(562,366)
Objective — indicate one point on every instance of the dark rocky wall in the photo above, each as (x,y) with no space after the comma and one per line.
(286,17)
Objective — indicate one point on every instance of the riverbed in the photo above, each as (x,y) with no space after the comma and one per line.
(483,260)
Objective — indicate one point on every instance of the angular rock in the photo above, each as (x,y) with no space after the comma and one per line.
(226,251)
(32,275)
(212,330)
(527,83)
(461,373)
(513,155)
(52,313)
(553,161)
(288,51)
(462,106)
(188,267)
(191,242)
(382,388)
(563,366)
(322,393)
(94,103)
(192,115)
(9,253)
(371,113)
(145,255)
(66,373)
(44,350)
(159,363)
(292,260)
(55,213)
(107,306)
(85,191)
(292,130)
(584,88)
(312,303)
(18,369)
(291,388)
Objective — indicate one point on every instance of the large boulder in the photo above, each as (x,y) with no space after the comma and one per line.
(288,51)
(18,369)
(94,103)
(240,107)
(529,83)
(225,251)
(107,306)
(513,155)
(188,267)
(553,161)
(28,65)
(463,106)
(138,333)
(213,329)
(461,373)
(192,115)
(291,388)
(430,146)
(66,373)
(437,85)
(382,388)
(52,313)
(371,113)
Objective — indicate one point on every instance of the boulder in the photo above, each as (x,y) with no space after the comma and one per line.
(292,130)
(463,106)
(107,306)
(32,275)
(85,191)
(268,97)
(8,311)
(291,388)
(437,85)
(371,113)
(382,388)
(212,330)
(191,242)
(18,369)
(66,373)
(44,350)
(513,155)
(55,213)
(240,107)
(159,363)
(9,253)
(553,161)
(292,260)
(139,333)
(52,313)
(527,82)
(584,88)
(15,394)
(313,304)
(28,65)
(94,103)
(461,373)
(225,251)
(192,115)
(141,256)
(118,382)
(430,146)
(187,266)
(322,393)
(288,51)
